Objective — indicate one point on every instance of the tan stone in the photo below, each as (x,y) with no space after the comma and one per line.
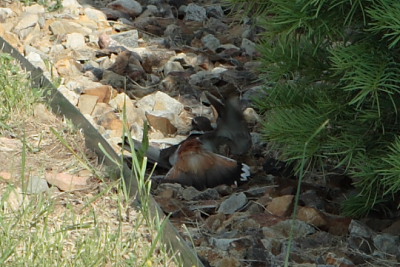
(105,93)
(111,121)
(281,206)
(41,113)
(13,39)
(312,216)
(87,103)
(68,67)
(161,124)
(5,175)
(122,102)
(62,27)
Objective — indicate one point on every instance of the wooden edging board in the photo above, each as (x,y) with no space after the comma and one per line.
(60,105)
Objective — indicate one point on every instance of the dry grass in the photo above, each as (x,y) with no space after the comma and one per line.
(95,226)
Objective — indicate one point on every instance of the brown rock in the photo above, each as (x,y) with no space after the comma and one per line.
(281,206)
(5,175)
(265,219)
(167,193)
(338,225)
(393,229)
(87,103)
(105,93)
(161,124)
(312,216)
(111,121)
(66,181)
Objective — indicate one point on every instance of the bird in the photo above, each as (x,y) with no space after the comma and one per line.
(231,133)
(232,130)
(195,166)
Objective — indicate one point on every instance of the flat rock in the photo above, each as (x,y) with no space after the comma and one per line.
(356,228)
(233,203)
(66,181)
(36,185)
(130,7)
(87,103)
(161,121)
(104,92)
(190,193)
(387,243)
(301,229)
(75,41)
(63,27)
(129,39)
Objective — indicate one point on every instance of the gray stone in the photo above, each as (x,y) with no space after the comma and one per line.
(257,191)
(36,185)
(387,243)
(214,11)
(249,47)
(195,13)
(172,66)
(222,243)
(233,203)
(356,228)
(211,42)
(129,39)
(204,78)
(130,7)
(301,229)
(191,193)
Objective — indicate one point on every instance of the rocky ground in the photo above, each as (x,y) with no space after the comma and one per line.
(157,58)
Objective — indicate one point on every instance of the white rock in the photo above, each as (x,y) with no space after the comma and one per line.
(35,9)
(95,14)
(6,13)
(70,95)
(71,4)
(36,60)
(75,41)
(160,101)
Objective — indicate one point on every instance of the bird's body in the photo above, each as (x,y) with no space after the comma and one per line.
(201,168)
